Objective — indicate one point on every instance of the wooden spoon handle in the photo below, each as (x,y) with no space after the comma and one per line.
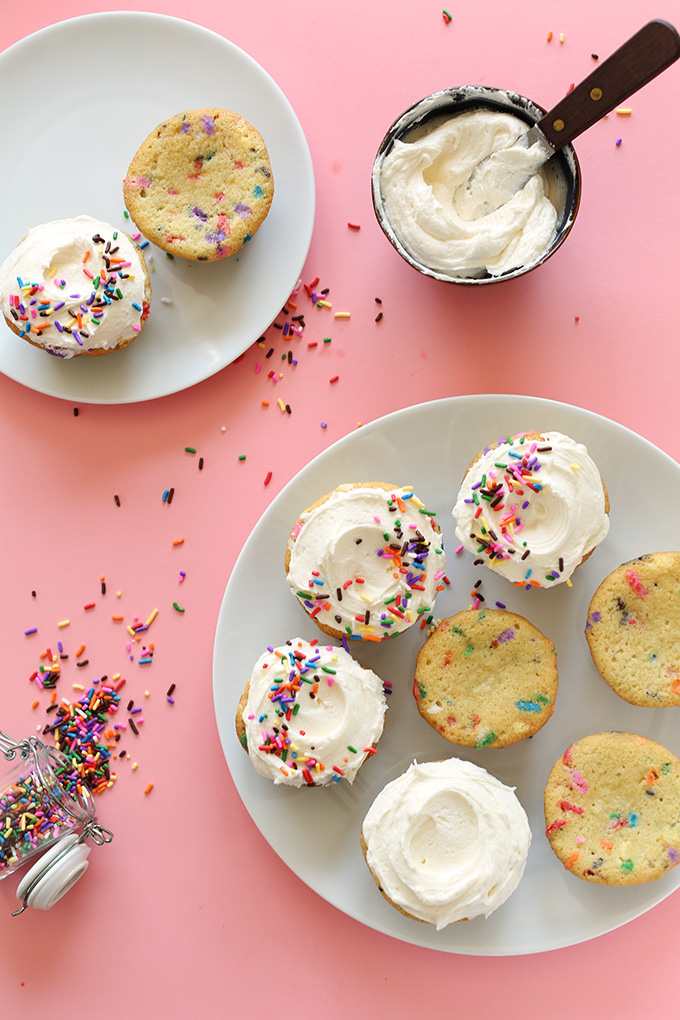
(646,54)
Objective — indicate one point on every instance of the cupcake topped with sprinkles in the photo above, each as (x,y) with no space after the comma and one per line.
(310,715)
(534,507)
(366,561)
(75,286)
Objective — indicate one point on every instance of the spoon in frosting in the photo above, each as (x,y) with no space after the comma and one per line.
(501,175)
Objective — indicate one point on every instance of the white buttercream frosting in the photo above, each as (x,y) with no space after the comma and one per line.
(423,184)
(532,508)
(74,286)
(367,561)
(447,841)
(313,714)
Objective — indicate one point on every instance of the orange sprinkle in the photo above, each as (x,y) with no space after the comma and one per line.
(148,788)
(35,704)
(606,844)
(572,859)
(549,36)
(80,651)
(117,618)
(652,777)
(178,541)
(86,255)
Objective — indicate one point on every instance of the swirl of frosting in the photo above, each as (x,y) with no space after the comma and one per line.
(73,286)
(446,841)
(534,508)
(367,561)
(312,715)
(423,184)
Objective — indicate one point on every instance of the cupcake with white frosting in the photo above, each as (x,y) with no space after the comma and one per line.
(534,506)
(366,561)
(446,841)
(310,715)
(75,286)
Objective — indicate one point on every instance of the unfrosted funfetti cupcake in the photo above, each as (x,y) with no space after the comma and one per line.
(534,506)
(633,630)
(310,715)
(366,561)
(201,184)
(486,678)
(446,841)
(612,809)
(75,286)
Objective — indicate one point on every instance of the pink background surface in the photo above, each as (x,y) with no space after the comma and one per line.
(189,910)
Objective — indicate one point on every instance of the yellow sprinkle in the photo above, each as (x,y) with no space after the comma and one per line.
(134,766)
(147,693)
(341,315)
(63,623)
(118,594)
(281,404)
(624,112)
(116,676)
(154,613)
(561,36)
(77,687)
(569,584)
(130,630)
(575,467)
(323,304)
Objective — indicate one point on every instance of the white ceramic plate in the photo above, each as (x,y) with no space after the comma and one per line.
(82,95)
(316,832)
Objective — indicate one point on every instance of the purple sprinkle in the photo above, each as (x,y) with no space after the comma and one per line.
(203,216)
(243,210)
(186,127)
(208,124)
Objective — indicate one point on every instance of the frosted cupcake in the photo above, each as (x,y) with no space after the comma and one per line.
(366,561)
(446,841)
(534,506)
(74,287)
(310,715)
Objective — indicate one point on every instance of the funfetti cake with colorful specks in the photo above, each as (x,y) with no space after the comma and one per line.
(612,809)
(201,184)
(366,561)
(534,506)
(486,678)
(633,630)
(76,286)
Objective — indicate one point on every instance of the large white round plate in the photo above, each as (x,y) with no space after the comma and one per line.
(77,100)
(316,832)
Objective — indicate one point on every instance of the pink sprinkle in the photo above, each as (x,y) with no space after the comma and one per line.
(459,549)
(376,518)
(258,367)
(136,237)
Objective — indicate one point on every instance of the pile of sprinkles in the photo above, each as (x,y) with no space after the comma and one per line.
(501,496)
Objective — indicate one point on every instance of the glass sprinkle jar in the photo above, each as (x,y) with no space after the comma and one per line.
(39,807)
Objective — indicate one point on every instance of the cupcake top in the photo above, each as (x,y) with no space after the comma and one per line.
(446,841)
(310,715)
(75,285)
(367,560)
(535,508)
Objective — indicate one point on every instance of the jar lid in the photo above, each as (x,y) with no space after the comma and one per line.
(57,871)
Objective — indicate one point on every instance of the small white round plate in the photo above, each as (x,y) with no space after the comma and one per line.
(316,832)
(78,99)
